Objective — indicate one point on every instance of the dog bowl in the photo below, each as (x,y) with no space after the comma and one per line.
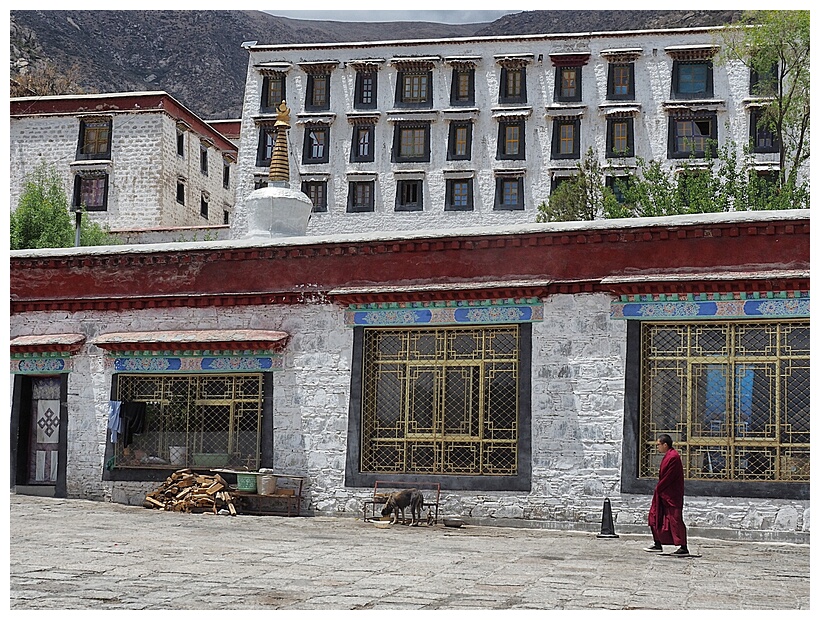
(453,522)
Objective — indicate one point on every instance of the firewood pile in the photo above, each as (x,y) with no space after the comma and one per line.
(186,491)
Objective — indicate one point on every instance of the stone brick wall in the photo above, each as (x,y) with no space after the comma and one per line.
(578,359)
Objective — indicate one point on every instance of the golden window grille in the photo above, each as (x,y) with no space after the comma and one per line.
(194,420)
(441,401)
(733,396)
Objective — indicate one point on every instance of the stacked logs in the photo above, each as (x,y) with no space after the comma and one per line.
(186,491)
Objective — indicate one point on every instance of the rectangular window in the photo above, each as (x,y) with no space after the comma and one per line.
(226,218)
(181,192)
(264,151)
(566,139)
(441,401)
(618,185)
(692,137)
(733,396)
(410,195)
(273,91)
(621,81)
(362,146)
(513,87)
(95,139)
(764,140)
(317,192)
(203,206)
(414,89)
(226,175)
(201,421)
(360,196)
(511,144)
(203,159)
(459,195)
(460,140)
(568,83)
(411,142)
(692,79)
(365,95)
(764,83)
(318,92)
(620,141)
(316,144)
(181,143)
(509,194)
(91,192)
(462,89)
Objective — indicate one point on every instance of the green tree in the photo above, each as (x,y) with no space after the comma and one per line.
(42,218)
(585,196)
(778,40)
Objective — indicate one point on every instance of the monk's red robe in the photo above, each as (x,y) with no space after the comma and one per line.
(666,511)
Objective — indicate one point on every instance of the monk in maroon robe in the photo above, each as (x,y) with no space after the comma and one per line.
(666,511)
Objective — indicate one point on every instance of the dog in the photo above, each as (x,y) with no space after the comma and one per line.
(400,500)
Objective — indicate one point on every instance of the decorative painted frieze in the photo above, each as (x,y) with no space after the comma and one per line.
(765,305)
(40,363)
(194,361)
(471,312)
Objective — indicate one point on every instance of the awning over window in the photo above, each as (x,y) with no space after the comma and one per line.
(194,340)
(51,343)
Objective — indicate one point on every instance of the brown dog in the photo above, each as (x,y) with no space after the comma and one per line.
(400,500)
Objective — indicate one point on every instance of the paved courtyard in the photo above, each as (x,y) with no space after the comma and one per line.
(77,554)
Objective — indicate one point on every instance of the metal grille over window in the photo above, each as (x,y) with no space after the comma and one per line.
(734,397)
(192,420)
(441,401)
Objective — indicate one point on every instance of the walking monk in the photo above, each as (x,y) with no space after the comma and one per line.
(666,511)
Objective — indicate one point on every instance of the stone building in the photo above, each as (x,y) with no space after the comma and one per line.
(526,368)
(141,163)
(406,135)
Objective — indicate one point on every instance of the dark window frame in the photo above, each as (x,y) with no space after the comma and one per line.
(355,156)
(204,204)
(470,99)
(181,191)
(756,132)
(522,481)
(181,144)
(401,76)
(501,146)
(352,205)
(556,138)
(709,86)
(610,137)
(203,160)
(711,140)
(267,105)
(754,80)
(310,92)
(610,82)
(449,195)
(398,129)
(559,90)
(226,175)
(499,204)
(79,180)
(451,141)
(321,206)
(358,101)
(85,127)
(262,157)
(406,189)
(307,148)
(503,97)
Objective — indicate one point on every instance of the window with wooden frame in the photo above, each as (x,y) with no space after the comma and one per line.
(95,139)
(409,195)
(411,142)
(621,81)
(459,195)
(566,138)
(264,150)
(273,91)
(414,88)
(360,196)
(511,141)
(362,143)
(509,193)
(316,144)
(692,136)
(513,84)
(317,192)
(462,87)
(366,89)
(91,191)
(620,139)
(459,144)
(568,83)
(318,91)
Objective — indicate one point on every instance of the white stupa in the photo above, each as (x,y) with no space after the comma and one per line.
(278,210)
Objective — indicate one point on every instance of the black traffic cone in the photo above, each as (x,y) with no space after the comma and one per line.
(607,526)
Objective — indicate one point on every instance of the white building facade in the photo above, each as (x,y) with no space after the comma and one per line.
(478,131)
(140,163)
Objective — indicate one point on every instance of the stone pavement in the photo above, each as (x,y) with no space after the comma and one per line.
(78,554)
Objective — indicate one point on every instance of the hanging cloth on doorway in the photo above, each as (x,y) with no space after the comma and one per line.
(133,420)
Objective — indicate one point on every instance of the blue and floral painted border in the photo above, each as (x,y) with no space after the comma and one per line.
(525,310)
(41,363)
(767,305)
(195,361)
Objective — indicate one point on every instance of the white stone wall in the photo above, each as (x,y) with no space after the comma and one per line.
(142,174)
(653,70)
(578,360)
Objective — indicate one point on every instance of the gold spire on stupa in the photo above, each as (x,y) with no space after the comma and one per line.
(279,166)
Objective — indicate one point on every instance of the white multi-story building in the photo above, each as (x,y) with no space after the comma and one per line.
(478,131)
(134,161)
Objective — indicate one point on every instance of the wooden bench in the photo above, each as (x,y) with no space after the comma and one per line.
(382,490)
